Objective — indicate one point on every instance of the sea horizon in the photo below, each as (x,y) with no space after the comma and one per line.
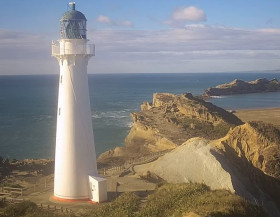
(28,105)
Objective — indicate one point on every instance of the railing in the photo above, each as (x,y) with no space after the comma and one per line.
(132,162)
(9,190)
(75,48)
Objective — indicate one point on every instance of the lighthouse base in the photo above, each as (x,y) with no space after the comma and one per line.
(97,192)
(59,199)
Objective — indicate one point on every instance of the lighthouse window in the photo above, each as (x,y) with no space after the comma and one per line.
(60,78)
(73,29)
(59,111)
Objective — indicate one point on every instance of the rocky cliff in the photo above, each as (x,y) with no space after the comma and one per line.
(241,87)
(254,148)
(246,161)
(256,143)
(169,121)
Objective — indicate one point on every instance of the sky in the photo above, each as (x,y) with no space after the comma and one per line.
(147,36)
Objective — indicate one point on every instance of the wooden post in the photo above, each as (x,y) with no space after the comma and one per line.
(46,182)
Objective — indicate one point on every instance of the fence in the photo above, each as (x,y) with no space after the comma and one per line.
(9,190)
(132,162)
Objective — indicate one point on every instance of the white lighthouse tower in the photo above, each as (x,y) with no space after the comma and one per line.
(76,176)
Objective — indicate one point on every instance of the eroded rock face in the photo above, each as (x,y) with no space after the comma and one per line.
(254,149)
(193,161)
(241,87)
(170,120)
(246,161)
(257,143)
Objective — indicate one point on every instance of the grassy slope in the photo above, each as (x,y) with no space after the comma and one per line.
(177,199)
(172,200)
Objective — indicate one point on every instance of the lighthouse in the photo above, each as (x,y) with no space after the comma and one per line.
(76,177)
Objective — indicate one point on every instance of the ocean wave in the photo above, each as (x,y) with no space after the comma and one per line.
(129,124)
(42,117)
(112,114)
(218,97)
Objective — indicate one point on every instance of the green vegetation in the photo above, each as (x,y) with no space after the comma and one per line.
(198,128)
(5,167)
(269,131)
(176,200)
(125,205)
(169,200)
(27,209)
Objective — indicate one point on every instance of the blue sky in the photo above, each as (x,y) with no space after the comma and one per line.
(167,36)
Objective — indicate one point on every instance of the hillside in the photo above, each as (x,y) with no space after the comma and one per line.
(182,200)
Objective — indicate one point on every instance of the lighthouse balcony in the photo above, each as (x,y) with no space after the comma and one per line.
(73,48)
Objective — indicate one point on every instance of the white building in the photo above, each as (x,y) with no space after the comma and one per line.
(76,176)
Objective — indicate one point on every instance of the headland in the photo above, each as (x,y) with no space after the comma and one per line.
(176,139)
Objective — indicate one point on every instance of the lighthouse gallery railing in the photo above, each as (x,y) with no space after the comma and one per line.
(57,50)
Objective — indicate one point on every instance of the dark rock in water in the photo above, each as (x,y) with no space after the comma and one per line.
(241,87)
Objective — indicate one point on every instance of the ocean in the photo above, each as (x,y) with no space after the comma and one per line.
(28,106)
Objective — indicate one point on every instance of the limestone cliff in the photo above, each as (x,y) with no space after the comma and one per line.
(194,161)
(254,148)
(241,87)
(169,121)
(257,143)
(246,161)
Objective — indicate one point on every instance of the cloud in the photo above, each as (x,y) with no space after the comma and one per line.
(25,53)
(107,20)
(189,14)
(181,16)
(196,48)
(126,23)
(104,19)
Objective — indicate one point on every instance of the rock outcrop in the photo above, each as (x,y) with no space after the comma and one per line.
(254,148)
(169,121)
(256,143)
(246,161)
(194,161)
(241,87)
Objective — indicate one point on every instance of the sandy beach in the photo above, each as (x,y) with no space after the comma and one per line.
(269,115)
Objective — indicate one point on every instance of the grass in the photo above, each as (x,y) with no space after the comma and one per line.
(124,206)
(176,200)
(269,131)
(204,129)
(27,209)
(169,200)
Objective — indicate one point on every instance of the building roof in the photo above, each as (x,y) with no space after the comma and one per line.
(73,15)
